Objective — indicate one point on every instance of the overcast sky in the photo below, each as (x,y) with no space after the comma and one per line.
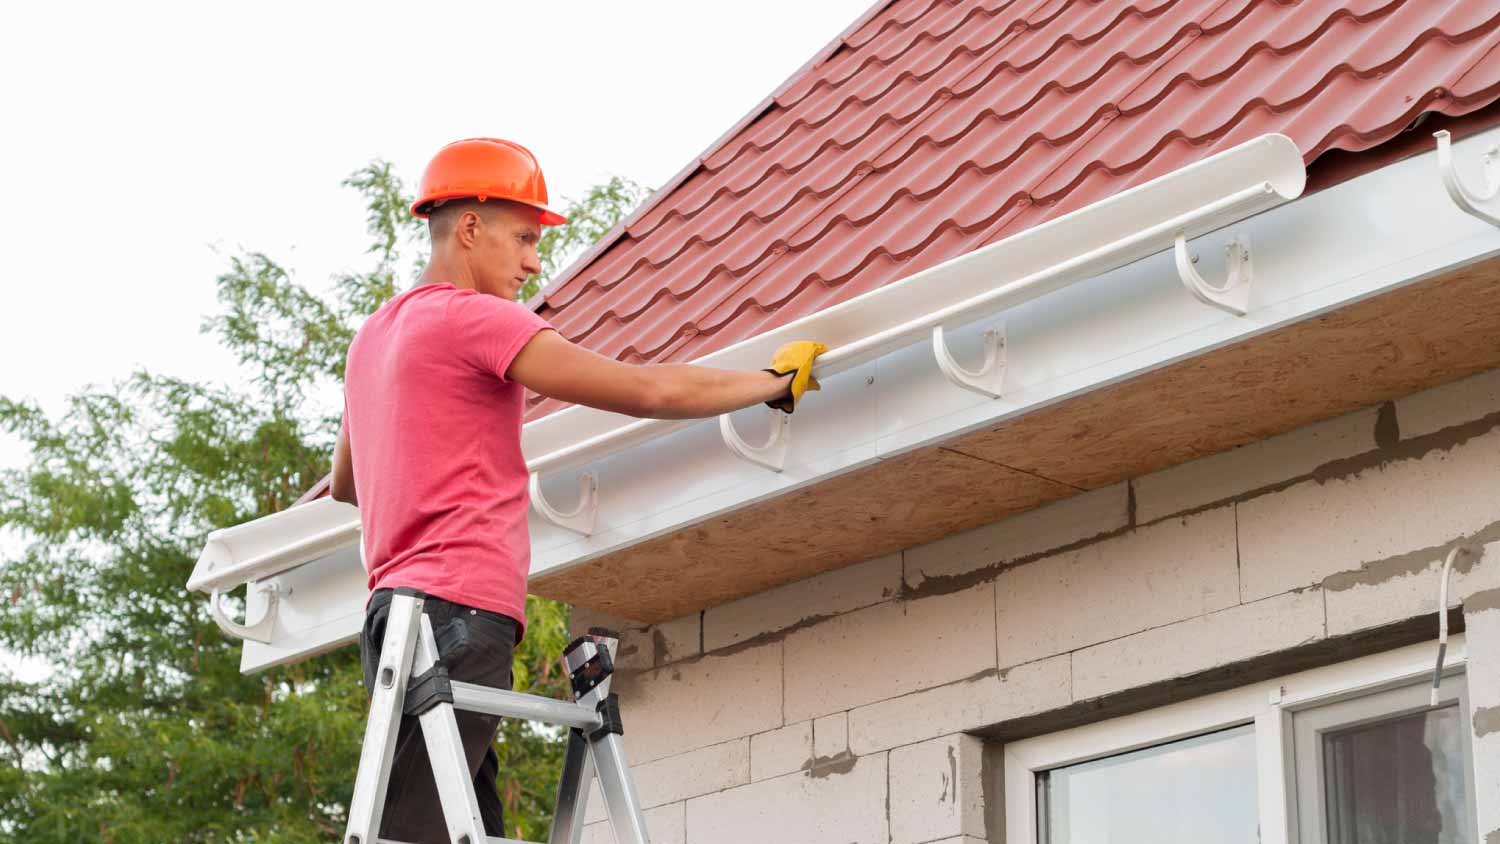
(147,142)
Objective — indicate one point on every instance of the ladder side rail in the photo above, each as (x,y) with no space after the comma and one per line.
(445,751)
(381,730)
(572,792)
(620,800)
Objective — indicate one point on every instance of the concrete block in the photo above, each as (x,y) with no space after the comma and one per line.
(697,772)
(965,706)
(1482,639)
(1197,644)
(665,825)
(888,650)
(700,702)
(843,804)
(677,639)
(1299,536)
(782,751)
(1404,587)
(1231,473)
(803,602)
(634,653)
(933,566)
(642,647)
(1452,404)
(937,790)
(1151,576)
(831,735)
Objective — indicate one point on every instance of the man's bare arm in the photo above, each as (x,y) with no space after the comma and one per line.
(342,487)
(557,368)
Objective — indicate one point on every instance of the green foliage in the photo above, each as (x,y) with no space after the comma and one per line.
(145,731)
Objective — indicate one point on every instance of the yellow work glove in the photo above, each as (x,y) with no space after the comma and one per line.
(795,357)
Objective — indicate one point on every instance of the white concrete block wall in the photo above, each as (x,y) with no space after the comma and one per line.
(937,790)
(1482,635)
(843,708)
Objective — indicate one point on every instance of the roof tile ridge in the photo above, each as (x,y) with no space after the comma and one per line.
(782,170)
(1283,106)
(1256,48)
(1055,85)
(648,263)
(1175,45)
(1470,69)
(1125,11)
(602,244)
(903,192)
(893,21)
(915,120)
(1386,131)
(839,108)
(1422,39)
(1003,66)
(886,61)
(658,294)
(869,257)
(764,218)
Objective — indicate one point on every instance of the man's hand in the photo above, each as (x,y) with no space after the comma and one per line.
(796,357)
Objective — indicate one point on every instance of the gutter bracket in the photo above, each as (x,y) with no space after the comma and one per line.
(580,519)
(771,454)
(1465,199)
(1234,294)
(989,378)
(257,631)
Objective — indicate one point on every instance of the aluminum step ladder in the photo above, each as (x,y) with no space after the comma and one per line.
(410,680)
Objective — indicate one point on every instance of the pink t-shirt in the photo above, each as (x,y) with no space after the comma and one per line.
(435,431)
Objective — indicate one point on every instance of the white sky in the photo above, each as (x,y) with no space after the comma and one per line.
(147,142)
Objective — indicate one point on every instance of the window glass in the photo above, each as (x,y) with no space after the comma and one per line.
(1399,781)
(1386,768)
(1200,790)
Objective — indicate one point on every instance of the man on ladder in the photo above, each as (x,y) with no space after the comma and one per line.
(430,449)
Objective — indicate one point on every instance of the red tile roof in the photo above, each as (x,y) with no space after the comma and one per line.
(931,128)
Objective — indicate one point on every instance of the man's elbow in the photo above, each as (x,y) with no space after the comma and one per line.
(342,492)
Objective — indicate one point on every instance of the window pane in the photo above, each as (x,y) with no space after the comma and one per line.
(1399,781)
(1195,791)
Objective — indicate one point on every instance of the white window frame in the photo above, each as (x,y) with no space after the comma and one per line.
(1268,705)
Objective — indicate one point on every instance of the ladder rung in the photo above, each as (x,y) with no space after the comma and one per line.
(471,697)
(488,839)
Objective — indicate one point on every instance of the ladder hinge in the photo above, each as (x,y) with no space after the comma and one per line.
(609,711)
(427,690)
(591,673)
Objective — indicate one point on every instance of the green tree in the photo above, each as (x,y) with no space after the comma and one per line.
(145,731)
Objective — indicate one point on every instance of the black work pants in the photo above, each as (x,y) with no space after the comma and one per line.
(476,646)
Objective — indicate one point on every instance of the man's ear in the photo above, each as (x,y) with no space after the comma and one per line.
(467,227)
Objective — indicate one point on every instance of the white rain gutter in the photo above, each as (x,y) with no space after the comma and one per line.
(1160,214)
(1416,237)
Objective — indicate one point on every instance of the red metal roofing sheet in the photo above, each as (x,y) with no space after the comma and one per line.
(933,128)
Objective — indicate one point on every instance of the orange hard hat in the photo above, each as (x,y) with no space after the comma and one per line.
(485,168)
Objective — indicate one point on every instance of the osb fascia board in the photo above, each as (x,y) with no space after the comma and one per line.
(862,514)
(1387,346)
(1382,348)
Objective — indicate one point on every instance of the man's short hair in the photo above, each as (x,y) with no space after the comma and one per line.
(444,214)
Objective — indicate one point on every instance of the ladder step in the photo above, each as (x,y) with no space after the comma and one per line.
(488,839)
